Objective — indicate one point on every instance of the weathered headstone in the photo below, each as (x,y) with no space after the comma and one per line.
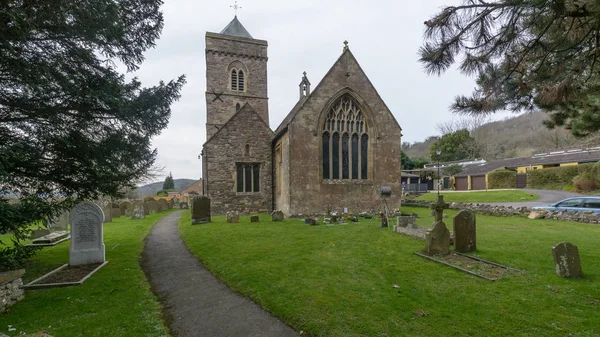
(162,205)
(38,233)
(146,207)
(175,201)
(465,231)
(115,212)
(87,243)
(183,205)
(152,206)
(61,223)
(277,216)
(200,210)
(125,208)
(566,260)
(437,239)
(170,204)
(107,210)
(138,211)
(254,218)
(232,217)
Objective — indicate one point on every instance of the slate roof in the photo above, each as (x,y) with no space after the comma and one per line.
(235,28)
(548,158)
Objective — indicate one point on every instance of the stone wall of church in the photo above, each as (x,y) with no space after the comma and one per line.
(227,148)
(250,55)
(310,193)
(282,174)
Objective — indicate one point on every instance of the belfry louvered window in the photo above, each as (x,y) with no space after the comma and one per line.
(345,141)
(238,80)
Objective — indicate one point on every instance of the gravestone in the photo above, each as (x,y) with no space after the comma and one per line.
(175,202)
(465,231)
(61,223)
(38,233)
(437,239)
(183,205)
(152,206)
(162,205)
(115,212)
(138,211)
(254,218)
(232,217)
(170,204)
(87,244)
(125,208)
(146,208)
(200,210)
(566,260)
(107,210)
(277,216)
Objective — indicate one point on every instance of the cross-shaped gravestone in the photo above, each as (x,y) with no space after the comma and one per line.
(439,207)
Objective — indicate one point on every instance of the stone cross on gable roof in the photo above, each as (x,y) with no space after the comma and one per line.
(439,207)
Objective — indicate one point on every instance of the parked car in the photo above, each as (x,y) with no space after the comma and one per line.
(575,204)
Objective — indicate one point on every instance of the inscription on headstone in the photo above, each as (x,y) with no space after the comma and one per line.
(465,231)
(87,244)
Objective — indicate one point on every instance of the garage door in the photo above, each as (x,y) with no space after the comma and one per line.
(461,183)
(478,182)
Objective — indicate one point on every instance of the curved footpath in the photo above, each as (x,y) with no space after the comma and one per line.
(196,303)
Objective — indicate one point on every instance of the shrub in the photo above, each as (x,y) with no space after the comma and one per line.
(584,177)
(502,179)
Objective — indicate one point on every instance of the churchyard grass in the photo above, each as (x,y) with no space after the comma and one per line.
(482,196)
(115,301)
(363,280)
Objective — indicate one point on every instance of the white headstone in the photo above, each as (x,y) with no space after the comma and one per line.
(87,243)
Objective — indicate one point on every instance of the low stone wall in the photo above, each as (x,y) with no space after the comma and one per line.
(10,292)
(585,217)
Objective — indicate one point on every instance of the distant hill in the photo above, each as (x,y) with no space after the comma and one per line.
(514,137)
(151,189)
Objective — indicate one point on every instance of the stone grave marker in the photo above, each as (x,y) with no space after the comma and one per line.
(38,233)
(232,217)
(437,239)
(175,202)
(107,210)
(162,205)
(200,210)
(465,231)
(61,223)
(138,211)
(566,260)
(183,205)
(277,216)
(254,218)
(115,212)
(152,206)
(146,208)
(170,204)
(125,207)
(87,242)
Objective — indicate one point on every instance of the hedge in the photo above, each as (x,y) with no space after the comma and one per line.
(558,177)
(502,179)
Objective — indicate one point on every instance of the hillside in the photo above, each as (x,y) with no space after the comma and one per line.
(514,137)
(151,189)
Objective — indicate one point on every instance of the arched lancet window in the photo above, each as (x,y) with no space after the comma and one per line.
(234,80)
(237,107)
(240,80)
(345,141)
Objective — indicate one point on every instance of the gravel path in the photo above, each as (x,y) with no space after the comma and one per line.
(196,303)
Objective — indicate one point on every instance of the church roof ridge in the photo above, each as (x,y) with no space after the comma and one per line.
(235,28)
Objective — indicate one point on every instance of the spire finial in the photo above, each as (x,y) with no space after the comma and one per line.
(235,7)
(345,45)
(304,73)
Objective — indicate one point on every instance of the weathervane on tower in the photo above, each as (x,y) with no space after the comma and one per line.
(235,7)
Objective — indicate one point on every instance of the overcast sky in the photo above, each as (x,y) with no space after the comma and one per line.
(308,35)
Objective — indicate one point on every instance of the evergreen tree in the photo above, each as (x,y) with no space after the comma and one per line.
(169,184)
(71,127)
(526,54)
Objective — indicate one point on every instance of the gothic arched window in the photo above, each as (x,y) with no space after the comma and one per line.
(240,80)
(234,80)
(345,152)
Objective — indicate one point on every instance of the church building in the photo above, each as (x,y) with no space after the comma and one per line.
(334,150)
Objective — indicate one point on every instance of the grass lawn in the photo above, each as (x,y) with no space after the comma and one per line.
(483,196)
(363,280)
(115,301)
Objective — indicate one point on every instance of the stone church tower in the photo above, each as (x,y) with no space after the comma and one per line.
(236,157)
